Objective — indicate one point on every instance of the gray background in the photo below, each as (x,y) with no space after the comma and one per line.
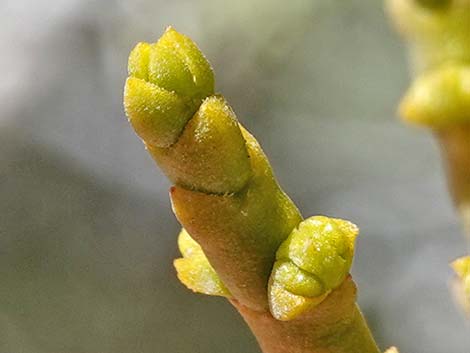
(87,236)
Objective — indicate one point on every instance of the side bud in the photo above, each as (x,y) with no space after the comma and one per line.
(195,271)
(439,98)
(314,260)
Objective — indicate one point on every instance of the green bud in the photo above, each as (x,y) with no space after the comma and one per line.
(195,271)
(439,98)
(158,116)
(139,61)
(296,280)
(211,154)
(312,261)
(285,305)
(323,247)
(167,82)
(177,64)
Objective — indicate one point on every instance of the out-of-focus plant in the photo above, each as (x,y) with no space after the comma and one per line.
(438,34)
(461,267)
(243,238)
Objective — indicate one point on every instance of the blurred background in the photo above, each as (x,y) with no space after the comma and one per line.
(87,236)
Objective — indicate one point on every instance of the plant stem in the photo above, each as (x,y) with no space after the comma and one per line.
(238,222)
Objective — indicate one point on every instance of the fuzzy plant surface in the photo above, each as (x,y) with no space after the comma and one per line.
(242,237)
(438,34)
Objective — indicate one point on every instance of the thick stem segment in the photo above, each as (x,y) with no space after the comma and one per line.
(235,214)
(240,232)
